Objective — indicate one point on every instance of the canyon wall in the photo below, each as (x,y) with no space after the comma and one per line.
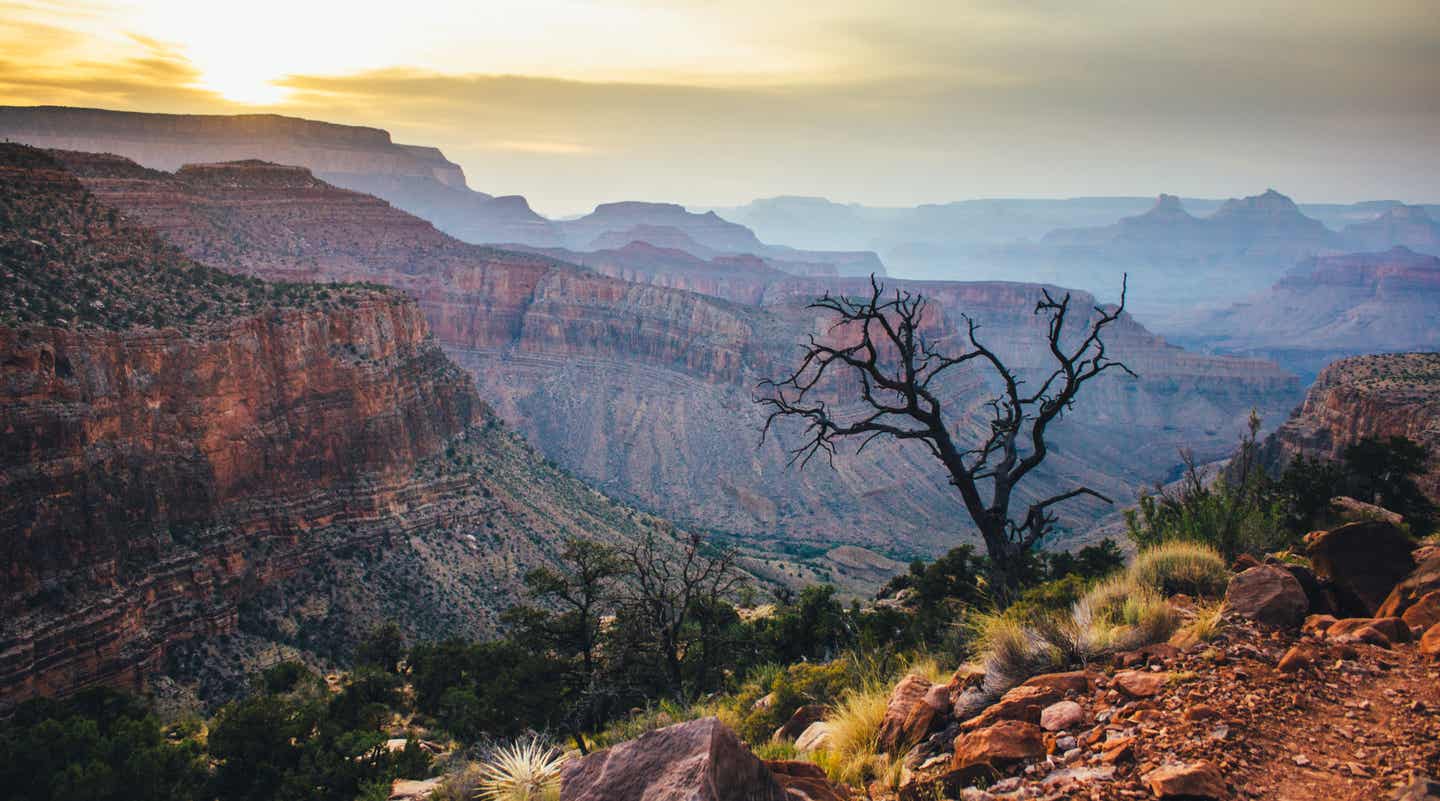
(647,391)
(275,465)
(1382,395)
(416,178)
(1333,306)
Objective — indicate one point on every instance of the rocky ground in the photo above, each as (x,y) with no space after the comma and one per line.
(1273,698)
(1347,722)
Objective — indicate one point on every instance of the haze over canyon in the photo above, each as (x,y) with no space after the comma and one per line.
(618,401)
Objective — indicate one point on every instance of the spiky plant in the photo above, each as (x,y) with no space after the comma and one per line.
(525,770)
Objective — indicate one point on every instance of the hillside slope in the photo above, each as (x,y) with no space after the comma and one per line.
(192,455)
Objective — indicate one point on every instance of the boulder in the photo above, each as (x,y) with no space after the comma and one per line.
(1363,562)
(1430,641)
(1393,629)
(699,760)
(800,721)
(1020,703)
(1419,788)
(907,715)
(1075,681)
(998,745)
(1141,683)
(1269,595)
(1191,780)
(1425,612)
(1424,580)
(1296,659)
(805,781)
(1316,597)
(1061,715)
(816,737)
(1318,624)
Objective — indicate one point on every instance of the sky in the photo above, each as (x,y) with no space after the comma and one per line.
(703,102)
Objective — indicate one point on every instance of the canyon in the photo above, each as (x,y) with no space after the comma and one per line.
(1379,396)
(191,458)
(1330,307)
(644,387)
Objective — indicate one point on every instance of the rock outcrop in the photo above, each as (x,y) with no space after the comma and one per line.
(187,453)
(700,760)
(1364,397)
(1362,563)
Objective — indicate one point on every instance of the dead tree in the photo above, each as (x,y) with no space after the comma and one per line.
(669,591)
(896,367)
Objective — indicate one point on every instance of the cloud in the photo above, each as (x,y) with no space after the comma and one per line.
(940,100)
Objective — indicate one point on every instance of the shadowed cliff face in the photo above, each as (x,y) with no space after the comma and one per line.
(305,453)
(647,391)
(1383,395)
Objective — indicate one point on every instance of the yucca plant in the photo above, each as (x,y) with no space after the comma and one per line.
(526,770)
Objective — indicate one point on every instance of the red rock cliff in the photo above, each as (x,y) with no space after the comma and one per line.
(1385,395)
(282,447)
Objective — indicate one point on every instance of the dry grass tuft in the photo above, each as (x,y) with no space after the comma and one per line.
(1181,567)
(854,755)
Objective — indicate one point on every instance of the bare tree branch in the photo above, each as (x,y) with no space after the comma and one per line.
(878,341)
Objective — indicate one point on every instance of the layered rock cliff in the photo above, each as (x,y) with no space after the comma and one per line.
(416,178)
(1398,226)
(1330,307)
(646,391)
(669,225)
(1384,395)
(187,454)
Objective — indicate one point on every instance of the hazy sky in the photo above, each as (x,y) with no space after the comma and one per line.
(574,103)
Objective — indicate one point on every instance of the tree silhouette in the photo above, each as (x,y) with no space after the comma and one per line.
(896,366)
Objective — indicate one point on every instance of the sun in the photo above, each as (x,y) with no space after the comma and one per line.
(242,85)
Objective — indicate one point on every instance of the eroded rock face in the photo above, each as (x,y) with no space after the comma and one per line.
(1268,594)
(312,451)
(700,760)
(1376,396)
